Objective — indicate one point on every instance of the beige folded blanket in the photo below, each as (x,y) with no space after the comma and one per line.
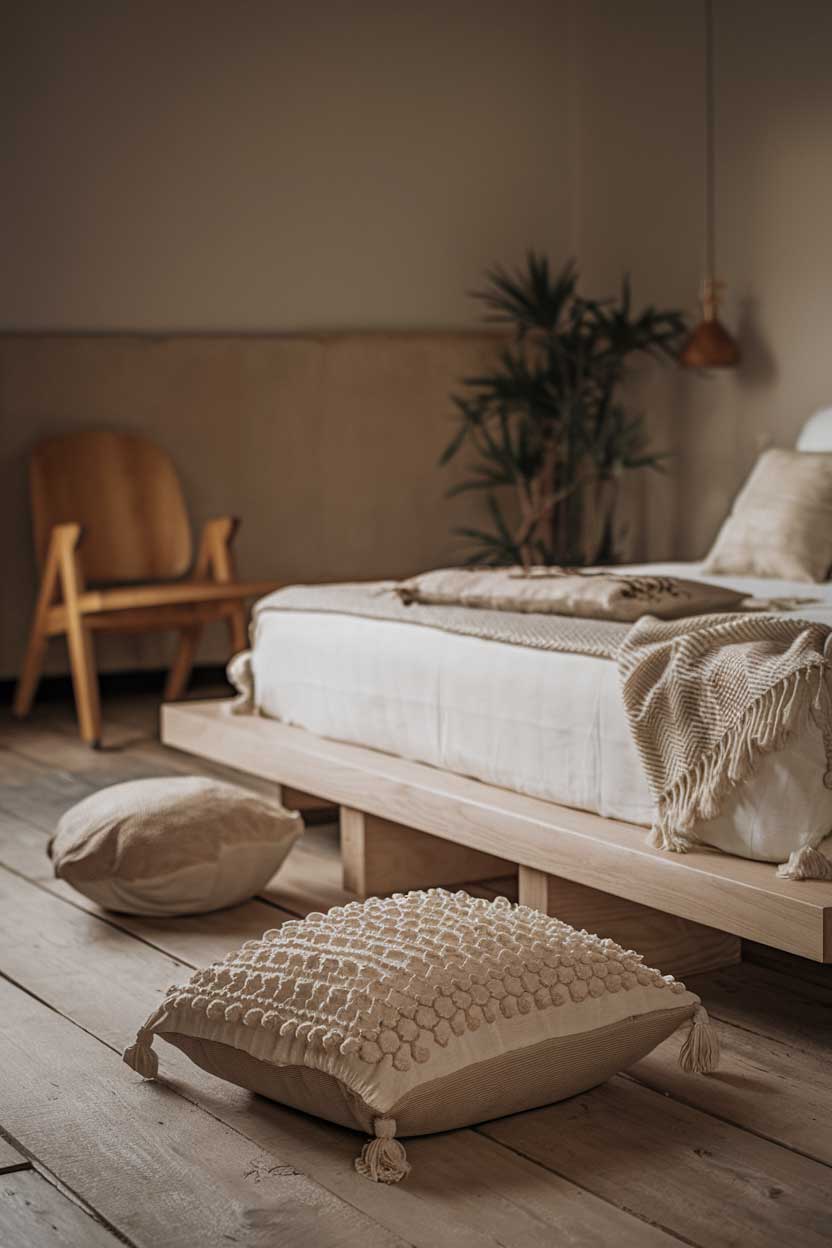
(580,593)
(707,698)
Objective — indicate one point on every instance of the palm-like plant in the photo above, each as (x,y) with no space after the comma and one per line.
(547,424)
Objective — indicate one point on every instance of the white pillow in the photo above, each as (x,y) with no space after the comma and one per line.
(422,1013)
(179,845)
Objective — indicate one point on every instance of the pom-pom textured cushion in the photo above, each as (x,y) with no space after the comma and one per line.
(422,1013)
(781,522)
(179,845)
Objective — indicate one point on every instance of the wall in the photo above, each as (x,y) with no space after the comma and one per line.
(334,166)
(638,191)
(265,168)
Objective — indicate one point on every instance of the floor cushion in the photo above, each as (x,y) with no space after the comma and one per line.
(180,845)
(422,1012)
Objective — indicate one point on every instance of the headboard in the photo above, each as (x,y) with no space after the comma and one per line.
(816,434)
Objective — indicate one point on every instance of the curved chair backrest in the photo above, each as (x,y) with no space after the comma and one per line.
(124,492)
(816,434)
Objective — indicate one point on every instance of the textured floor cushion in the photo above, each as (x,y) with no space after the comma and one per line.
(172,846)
(422,1013)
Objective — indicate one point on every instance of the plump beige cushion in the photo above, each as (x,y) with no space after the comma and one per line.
(588,594)
(419,1013)
(781,522)
(172,846)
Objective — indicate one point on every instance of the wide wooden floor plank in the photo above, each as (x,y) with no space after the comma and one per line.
(794,1011)
(35,792)
(10,1158)
(700,1178)
(196,939)
(156,1167)
(23,848)
(107,983)
(766,1086)
(34,1214)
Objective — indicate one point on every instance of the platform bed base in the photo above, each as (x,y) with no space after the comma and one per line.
(407,825)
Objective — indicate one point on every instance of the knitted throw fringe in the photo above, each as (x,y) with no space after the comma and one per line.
(700,1051)
(383,1159)
(806,864)
(766,726)
(140,1056)
(240,675)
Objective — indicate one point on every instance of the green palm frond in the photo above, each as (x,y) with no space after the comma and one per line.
(546,421)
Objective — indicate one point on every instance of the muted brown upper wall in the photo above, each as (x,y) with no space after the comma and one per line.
(276,166)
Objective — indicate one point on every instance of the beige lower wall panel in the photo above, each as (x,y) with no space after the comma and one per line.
(326,446)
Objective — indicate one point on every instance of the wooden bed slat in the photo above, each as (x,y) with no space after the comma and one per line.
(731,894)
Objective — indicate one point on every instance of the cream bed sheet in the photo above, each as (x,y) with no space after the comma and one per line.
(547,724)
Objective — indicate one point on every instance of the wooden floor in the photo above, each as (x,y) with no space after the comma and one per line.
(90,1155)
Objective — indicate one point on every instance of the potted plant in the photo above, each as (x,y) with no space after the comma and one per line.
(548,426)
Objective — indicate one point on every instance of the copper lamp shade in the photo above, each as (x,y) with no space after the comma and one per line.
(710,345)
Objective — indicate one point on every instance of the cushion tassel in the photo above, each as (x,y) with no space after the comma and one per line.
(700,1052)
(806,864)
(140,1056)
(383,1159)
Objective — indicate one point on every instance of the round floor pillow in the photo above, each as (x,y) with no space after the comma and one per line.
(180,845)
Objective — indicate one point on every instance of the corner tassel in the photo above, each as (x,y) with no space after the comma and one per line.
(383,1159)
(806,864)
(700,1052)
(140,1056)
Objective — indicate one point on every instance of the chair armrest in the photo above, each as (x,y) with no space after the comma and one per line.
(214,552)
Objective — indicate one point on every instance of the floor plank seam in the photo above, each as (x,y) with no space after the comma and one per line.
(31,1162)
(712,1113)
(481,1129)
(70,1194)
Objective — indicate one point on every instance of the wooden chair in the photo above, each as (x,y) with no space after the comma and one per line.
(108,512)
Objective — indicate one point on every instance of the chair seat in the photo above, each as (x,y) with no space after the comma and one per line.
(178,599)
(168,593)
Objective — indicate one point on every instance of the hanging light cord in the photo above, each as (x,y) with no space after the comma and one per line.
(710,130)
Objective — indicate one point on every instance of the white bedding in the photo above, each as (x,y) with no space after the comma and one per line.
(547,724)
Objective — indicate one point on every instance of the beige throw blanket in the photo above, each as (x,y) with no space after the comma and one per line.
(706,698)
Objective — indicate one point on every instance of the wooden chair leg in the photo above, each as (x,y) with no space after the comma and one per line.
(238,629)
(29,679)
(84,679)
(79,638)
(215,559)
(183,661)
(27,684)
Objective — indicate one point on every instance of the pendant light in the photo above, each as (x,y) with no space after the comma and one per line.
(710,345)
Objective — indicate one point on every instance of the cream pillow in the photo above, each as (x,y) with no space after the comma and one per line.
(422,1013)
(172,846)
(586,594)
(781,522)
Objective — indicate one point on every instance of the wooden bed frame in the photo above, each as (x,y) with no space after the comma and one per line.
(408,825)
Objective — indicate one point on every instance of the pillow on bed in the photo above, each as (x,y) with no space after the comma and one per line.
(180,845)
(422,1013)
(588,594)
(781,521)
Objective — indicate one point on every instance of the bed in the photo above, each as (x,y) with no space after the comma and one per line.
(547,724)
(455,758)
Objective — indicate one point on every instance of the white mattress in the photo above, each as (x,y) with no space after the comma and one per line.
(547,724)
